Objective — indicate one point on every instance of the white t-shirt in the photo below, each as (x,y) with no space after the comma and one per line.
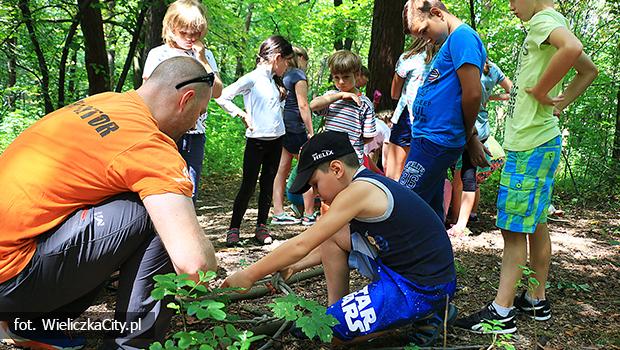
(161,53)
(383,136)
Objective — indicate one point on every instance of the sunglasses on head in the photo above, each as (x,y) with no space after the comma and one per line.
(209,78)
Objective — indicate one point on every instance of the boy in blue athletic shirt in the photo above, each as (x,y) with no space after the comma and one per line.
(369,226)
(447,103)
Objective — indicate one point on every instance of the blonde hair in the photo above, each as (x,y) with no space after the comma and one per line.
(184,14)
(344,61)
(299,52)
(418,45)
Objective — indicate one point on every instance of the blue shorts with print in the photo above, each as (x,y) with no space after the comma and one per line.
(526,185)
(425,171)
(400,134)
(389,301)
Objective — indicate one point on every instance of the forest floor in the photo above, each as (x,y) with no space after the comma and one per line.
(584,283)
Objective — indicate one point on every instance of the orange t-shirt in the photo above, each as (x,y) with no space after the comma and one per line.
(78,156)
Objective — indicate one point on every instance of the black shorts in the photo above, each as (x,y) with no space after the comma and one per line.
(292,142)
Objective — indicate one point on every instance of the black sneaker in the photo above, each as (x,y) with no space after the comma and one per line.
(540,312)
(488,320)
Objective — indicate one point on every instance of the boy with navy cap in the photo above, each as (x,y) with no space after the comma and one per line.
(375,225)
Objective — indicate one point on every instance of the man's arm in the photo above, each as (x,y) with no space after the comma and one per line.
(569,51)
(469,77)
(175,221)
(507,85)
(586,73)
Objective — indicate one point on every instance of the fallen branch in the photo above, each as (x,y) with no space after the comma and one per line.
(267,288)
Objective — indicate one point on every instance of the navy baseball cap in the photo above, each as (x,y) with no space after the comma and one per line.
(321,148)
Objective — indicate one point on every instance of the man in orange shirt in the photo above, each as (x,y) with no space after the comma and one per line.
(95,187)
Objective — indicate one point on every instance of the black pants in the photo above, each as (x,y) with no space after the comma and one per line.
(259,156)
(73,261)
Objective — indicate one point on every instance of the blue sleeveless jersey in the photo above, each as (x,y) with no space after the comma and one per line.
(409,238)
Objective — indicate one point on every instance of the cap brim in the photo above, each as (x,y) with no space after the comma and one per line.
(300,185)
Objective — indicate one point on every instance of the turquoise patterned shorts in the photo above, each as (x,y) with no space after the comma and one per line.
(526,185)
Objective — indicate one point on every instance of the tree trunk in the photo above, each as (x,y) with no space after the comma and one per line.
(11,71)
(152,34)
(62,66)
(132,48)
(472,14)
(386,44)
(25,9)
(239,69)
(342,32)
(616,151)
(71,73)
(96,56)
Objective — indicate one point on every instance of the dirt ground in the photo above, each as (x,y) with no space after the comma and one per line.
(584,283)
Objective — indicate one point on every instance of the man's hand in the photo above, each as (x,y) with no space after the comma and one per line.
(544,99)
(477,151)
(238,279)
(351,96)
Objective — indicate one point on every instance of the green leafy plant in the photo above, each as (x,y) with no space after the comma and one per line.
(197,300)
(500,341)
(308,315)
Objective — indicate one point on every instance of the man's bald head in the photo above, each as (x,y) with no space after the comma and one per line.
(179,69)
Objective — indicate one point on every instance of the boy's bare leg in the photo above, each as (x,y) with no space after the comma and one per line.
(467,203)
(476,201)
(335,255)
(397,156)
(515,254)
(457,193)
(309,202)
(279,183)
(540,258)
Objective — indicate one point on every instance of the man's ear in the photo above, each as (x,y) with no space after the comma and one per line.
(186,99)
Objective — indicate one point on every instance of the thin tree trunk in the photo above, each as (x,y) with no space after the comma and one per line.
(132,48)
(342,32)
(62,67)
(152,34)
(11,70)
(472,14)
(71,73)
(616,151)
(386,44)
(25,9)
(96,57)
(239,69)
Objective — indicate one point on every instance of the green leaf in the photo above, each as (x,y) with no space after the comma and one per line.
(158,293)
(156,346)
(219,331)
(218,314)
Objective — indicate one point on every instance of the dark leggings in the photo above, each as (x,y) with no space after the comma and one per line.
(259,156)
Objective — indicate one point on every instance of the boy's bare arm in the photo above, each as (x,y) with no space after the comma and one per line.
(507,85)
(586,73)
(347,205)
(323,101)
(569,50)
(469,77)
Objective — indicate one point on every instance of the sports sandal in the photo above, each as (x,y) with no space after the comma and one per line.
(308,220)
(430,329)
(262,235)
(284,219)
(232,237)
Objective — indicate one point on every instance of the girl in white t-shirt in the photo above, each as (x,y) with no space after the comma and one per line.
(184,29)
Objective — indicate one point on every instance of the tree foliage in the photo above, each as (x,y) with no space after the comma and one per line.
(44,47)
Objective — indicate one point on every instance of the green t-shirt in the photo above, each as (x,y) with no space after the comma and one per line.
(530,124)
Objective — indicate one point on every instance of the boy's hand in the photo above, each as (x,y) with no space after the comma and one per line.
(544,99)
(247,121)
(287,272)
(477,151)
(238,279)
(351,96)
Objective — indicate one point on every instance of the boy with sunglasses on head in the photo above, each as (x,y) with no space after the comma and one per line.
(184,29)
